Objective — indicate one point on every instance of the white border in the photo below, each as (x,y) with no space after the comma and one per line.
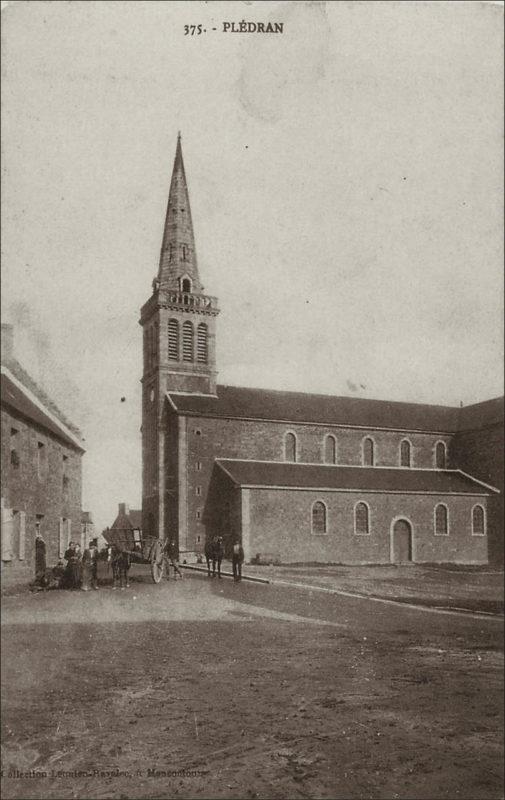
(326,519)
(435,520)
(396,519)
(369,519)
(484,512)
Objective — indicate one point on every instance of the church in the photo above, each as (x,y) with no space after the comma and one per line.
(300,477)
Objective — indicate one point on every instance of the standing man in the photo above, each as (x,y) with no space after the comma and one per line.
(40,558)
(171,558)
(237,559)
(93,548)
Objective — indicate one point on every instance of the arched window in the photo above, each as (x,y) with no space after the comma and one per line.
(290,447)
(201,344)
(440,456)
(186,284)
(187,342)
(330,450)
(441,520)
(405,453)
(368,452)
(173,340)
(361,518)
(319,518)
(478,521)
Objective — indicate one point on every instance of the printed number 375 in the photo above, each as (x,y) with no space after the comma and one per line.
(193,30)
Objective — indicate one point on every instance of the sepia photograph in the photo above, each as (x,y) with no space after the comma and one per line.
(252,442)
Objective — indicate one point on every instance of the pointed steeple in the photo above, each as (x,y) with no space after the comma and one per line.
(178,262)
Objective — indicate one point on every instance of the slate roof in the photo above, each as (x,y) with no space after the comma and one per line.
(265,404)
(130,521)
(372,479)
(18,400)
(481,415)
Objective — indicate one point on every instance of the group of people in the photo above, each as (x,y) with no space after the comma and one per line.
(214,554)
(79,572)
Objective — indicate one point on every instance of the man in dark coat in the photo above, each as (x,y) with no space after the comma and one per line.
(73,568)
(171,558)
(237,559)
(40,558)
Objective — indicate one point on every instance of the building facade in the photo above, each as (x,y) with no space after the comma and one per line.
(220,459)
(41,455)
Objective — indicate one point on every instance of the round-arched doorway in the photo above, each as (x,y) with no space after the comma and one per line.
(401,541)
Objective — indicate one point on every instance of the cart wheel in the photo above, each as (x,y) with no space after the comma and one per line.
(157,563)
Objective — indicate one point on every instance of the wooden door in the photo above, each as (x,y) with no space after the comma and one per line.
(402,542)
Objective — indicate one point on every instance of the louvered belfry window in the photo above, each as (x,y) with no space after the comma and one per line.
(441,520)
(187,342)
(478,521)
(173,340)
(201,345)
(318,517)
(405,454)
(361,521)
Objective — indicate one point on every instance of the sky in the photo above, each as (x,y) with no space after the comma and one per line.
(345,180)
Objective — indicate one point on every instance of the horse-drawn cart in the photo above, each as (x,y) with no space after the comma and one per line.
(139,549)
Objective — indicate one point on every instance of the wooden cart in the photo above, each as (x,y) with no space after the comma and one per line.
(142,550)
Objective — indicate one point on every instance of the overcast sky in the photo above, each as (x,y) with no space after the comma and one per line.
(345,180)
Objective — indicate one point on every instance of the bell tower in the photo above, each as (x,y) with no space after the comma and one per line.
(179,354)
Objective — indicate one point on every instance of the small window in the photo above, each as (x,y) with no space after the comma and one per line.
(405,453)
(440,456)
(184,255)
(368,452)
(198,432)
(198,514)
(198,539)
(14,448)
(198,466)
(290,447)
(15,460)
(319,518)
(478,521)
(441,520)
(361,518)
(41,457)
(330,450)
(198,490)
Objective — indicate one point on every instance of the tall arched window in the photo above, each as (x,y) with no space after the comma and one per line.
(173,340)
(405,453)
(201,344)
(478,521)
(187,342)
(441,520)
(440,456)
(368,452)
(290,447)
(330,450)
(361,518)
(319,518)
(186,285)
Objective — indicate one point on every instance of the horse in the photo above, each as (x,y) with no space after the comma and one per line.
(120,561)
(214,551)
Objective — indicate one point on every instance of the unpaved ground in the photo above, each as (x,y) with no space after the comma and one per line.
(265,691)
(472,588)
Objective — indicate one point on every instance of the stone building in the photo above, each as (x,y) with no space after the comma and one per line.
(41,454)
(303,477)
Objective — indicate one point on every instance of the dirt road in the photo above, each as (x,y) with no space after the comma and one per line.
(246,691)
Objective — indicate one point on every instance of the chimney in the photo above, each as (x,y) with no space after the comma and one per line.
(124,508)
(7,342)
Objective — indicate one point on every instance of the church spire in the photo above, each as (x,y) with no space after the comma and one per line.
(178,265)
